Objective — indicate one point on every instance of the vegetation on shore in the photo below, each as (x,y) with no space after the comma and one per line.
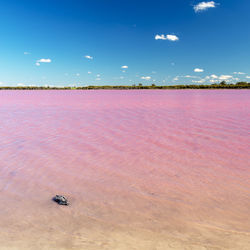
(222,85)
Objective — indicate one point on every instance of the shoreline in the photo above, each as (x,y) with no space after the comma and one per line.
(173,87)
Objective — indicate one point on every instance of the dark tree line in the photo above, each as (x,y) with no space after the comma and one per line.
(222,85)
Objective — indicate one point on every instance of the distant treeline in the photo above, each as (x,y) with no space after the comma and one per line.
(222,85)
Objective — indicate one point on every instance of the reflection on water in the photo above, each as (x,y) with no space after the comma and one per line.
(142,169)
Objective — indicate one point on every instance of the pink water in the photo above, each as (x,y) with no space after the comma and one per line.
(142,170)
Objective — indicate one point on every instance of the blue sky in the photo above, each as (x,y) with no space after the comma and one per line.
(87,42)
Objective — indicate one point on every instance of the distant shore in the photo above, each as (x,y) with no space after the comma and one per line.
(223,85)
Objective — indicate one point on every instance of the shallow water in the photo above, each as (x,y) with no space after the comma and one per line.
(143,169)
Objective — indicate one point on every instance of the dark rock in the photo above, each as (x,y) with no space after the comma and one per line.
(61,200)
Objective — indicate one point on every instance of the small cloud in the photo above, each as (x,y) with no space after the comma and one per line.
(44,61)
(197,70)
(214,76)
(89,72)
(172,38)
(26,53)
(176,78)
(239,73)
(189,76)
(204,6)
(160,37)
(213,80)
(124,67)
(98,79)
(225,77)
(38,62)
(89,57)
(200,81)
(98,75)
(146,78)
(248,77)
(77,74)
(121,77)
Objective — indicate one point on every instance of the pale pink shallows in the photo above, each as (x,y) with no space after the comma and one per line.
(153,160)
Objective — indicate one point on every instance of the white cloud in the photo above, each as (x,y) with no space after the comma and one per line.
(121,77)
(38,62)
(189,76)
(176,78)
(89,72)
(239,73)
(26,53)
(214,76)
(98,75)
(172,38)
(160,37)
(225,77)
(89,57)
(124,67)
(77,74)
(200,81)
(197,70)
(98,79)
(44,61)
(204,6)
(214,81)
(146,78)
(248,77)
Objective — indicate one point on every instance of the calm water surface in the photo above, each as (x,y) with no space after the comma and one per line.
(146,170)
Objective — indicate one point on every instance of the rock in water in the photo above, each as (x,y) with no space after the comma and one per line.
(61,200)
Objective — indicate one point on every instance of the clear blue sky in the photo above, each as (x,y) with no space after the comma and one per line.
(83,42)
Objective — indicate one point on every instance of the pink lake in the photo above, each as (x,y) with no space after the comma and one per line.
(142,169)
